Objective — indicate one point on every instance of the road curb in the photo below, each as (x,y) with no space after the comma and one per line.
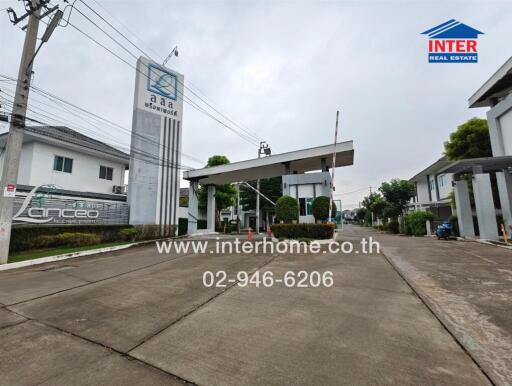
(433,308)
(72,255)
(65,256)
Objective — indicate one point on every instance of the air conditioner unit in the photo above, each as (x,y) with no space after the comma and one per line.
(119,189)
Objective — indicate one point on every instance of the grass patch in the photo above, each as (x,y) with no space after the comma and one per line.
(38,253)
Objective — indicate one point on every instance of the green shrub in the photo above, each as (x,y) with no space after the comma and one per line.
(287,209)
(393,226)
(23,236)
(42,236)
(129,234)
(67,239)
(321,208)
(298,231)
(415,223)
(202,224)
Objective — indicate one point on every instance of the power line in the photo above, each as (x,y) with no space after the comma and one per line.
(187,100)
(126,28)
(62,103)
(149,56)
(90,132)
(247,135)
(137,154)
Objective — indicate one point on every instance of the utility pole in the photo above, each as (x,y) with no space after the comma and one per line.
(265,149)
(333,167)
(17,125)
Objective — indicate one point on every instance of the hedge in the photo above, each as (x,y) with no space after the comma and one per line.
(287,209)
(321,208)
(38,236)
(67,239)
(415,223)
(300,231)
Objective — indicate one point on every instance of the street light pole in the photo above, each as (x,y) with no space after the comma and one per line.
(265,149)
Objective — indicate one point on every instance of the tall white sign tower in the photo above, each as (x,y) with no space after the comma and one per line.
(154,176)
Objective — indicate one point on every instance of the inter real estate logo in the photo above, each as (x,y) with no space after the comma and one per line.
(452,42)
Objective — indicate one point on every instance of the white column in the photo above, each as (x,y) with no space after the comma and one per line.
(505,190)
(193,211)
(210,209)
(484,205)
(464,213)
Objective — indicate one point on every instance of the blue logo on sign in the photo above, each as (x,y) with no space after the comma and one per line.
(452,42)
(162,82)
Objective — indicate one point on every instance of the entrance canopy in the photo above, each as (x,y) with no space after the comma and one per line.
(299,161)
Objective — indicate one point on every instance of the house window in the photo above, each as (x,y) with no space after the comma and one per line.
(442,180)
(432,185)
(62,164)
(302,206)
(106,173)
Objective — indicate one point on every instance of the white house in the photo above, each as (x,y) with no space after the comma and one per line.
(63,157)
(433,188)
(64,169)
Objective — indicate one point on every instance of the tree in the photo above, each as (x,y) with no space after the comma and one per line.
(378,206)
(470,140)
(287,209)
(270,187)
(225,195)
(321,208)
(360,214)
(397,194)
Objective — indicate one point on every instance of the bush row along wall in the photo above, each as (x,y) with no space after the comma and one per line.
(44,236)
(303,231)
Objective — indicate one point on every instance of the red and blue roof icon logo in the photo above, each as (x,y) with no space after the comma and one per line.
(452,42)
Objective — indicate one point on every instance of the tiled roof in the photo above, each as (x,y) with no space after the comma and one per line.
(65,134)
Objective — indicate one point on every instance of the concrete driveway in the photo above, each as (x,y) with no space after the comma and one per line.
(136,317)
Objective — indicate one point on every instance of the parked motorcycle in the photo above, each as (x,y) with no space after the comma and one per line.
(444,231)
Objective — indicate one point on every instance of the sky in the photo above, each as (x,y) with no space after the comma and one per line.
(281,69)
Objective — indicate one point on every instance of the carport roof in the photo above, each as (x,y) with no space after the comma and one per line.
(488,164)
(299,161)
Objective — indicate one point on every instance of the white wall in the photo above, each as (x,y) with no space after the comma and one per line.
(506,131)
(36,168)
(422,188)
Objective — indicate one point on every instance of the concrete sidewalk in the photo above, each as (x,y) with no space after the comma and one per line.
(136,317)
(469,287)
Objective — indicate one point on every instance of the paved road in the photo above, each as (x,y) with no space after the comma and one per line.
(136,317)
(469,286)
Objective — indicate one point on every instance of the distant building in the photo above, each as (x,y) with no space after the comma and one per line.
(433,189)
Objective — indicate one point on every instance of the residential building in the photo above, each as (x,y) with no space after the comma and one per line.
(433,190)
(496,93)
(66,169)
